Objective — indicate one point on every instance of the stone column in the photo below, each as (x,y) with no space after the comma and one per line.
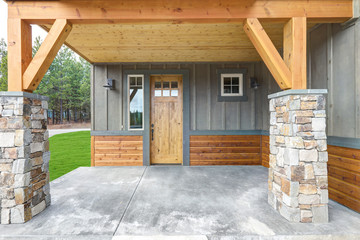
(24,156)
(298,184)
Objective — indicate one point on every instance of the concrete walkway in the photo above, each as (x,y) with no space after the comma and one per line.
(53,132)
(172,202)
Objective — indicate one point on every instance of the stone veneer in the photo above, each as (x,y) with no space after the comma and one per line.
(24,156)
(298,182)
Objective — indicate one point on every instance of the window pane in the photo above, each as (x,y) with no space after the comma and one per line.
(157,93)
(136,107)
(139,81)
(166,93)
(157,84)
(174,93)
(227,81)
(132,81)
(174,84)
(166,85)
(227,89)
(235,89)
(235,81)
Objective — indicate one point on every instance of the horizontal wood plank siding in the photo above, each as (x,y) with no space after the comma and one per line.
(118,150)
(225,150)
(265,150)
(344,176)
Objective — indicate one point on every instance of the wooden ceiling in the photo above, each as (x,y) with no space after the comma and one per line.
(167,42)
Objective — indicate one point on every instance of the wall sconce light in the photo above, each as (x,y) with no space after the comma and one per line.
(110,84)
(253,83)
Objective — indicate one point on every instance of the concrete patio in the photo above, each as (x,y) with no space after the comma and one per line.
(172,202)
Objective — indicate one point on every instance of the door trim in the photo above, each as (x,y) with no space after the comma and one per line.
(153,100)
(186,109)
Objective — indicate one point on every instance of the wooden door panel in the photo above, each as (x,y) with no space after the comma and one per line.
(166,120)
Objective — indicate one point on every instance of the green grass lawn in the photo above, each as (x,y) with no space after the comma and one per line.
(68,152)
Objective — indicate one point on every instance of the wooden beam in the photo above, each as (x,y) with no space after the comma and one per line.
(268,52)
(110,11)
(46,54)
(295,50)
(19,52)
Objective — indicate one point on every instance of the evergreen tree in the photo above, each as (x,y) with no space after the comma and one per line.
(3,65)
(66,83)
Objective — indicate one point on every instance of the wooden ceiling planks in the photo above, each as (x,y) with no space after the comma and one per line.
(164,42)
(173,31)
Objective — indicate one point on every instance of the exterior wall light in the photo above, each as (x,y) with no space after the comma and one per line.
(110,84)
(253,83)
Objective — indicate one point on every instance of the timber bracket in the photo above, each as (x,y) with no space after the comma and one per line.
(290,71)
(28,77)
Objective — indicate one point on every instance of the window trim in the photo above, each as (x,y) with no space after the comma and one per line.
(241,85)
(128,101)
(232,98)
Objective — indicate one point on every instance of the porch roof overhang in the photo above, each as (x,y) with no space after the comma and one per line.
(173,31)
(169,31)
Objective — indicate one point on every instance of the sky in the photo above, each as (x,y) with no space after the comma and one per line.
(36,30)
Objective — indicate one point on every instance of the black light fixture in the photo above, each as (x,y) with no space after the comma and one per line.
(253,83)
(110,84)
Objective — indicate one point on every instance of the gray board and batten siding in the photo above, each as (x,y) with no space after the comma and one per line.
(206,112)
(333,64)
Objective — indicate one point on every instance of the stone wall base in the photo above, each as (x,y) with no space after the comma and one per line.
(24,156)
(298,182)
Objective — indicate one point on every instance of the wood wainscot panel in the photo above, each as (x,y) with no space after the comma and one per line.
(225,150)
(265,151)
(117,150)
(344,176)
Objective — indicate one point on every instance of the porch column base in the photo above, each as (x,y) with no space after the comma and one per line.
(24,156)
(298,182)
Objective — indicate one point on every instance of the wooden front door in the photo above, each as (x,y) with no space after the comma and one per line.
(166,123)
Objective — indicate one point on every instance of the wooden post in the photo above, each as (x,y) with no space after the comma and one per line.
(19,52)
(295,50)
(46,54)
(268,52)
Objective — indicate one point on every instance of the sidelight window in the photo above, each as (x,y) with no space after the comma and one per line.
(136,102)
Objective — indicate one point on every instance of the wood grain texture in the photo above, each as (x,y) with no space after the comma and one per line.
(295,50)
(118,151)
(166,140)
(265,151)
(225,150)
(92,151)
(268,52)
(87,11)
(344,176)
(164,42)
(46,54)
(19,52)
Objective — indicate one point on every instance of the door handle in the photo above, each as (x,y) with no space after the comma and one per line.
(152,134)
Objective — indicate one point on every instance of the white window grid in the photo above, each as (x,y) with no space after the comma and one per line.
(232,75)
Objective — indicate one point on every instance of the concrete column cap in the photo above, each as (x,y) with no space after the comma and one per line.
(298,92)
(24,94)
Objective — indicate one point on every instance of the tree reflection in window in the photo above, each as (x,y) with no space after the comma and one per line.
(136,102)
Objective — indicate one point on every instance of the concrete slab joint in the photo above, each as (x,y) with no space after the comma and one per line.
(298,184)
(24,156)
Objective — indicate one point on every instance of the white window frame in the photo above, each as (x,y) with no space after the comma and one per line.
(128,102)
(241,84)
